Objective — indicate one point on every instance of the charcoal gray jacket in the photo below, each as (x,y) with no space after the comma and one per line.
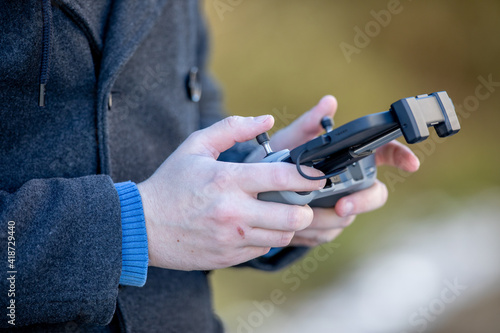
(116,104)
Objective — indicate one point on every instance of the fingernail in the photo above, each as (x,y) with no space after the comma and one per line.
(261,119)
(348,208)
(411,165)
(417,163)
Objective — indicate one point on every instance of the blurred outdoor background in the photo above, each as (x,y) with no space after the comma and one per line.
(429,260)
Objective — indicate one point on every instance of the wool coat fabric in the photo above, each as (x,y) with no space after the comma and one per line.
(116,106)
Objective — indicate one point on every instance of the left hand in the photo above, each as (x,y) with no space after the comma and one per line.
(328,223)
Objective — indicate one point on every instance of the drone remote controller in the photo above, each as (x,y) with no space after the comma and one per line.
(346,154)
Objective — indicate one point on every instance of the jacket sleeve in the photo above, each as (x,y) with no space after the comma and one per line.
(61,248)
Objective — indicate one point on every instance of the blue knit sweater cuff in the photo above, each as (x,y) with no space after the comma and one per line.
(272,252)
(134,236)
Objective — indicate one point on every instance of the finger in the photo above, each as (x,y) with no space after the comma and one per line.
(398,155)
(363,201)
(269,238)
(222,135)
(277,216)
(306,127)
(327,218)
(244,254)
(264,177)
(314,238)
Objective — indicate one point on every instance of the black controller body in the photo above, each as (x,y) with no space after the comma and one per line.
(346,154)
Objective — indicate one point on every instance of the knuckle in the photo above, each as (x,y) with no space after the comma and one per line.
(223,214)
(231,121)
(221,179)
(279,177)
(299,217)
(294,218)
(285,238)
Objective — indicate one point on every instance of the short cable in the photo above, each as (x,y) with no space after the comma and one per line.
(299,169)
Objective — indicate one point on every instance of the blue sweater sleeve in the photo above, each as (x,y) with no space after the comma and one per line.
(134,236)
(272,252)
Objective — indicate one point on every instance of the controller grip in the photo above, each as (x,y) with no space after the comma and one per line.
(287,197)
(331,200)
(356,177)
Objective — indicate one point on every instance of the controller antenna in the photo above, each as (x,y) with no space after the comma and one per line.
(263,140)
(327,123)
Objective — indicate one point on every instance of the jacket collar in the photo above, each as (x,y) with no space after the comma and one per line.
(89,16)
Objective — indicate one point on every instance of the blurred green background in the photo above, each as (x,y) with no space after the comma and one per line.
(280,57)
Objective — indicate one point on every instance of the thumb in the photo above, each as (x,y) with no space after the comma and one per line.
(222,135)
(307,126)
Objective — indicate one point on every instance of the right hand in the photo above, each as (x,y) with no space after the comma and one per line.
(203,214)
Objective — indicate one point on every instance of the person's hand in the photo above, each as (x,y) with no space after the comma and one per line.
(328,223)
(203,214)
